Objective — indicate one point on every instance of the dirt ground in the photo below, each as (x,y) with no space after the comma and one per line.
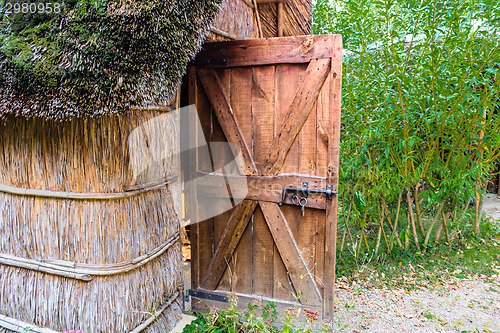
(471,305)
(457,306)
(491,206)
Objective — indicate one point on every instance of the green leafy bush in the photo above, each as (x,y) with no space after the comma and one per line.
(256,318)
(419,114)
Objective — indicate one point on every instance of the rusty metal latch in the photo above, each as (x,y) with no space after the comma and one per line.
(305,191)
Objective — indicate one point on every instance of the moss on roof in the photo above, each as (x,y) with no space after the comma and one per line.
(97,57)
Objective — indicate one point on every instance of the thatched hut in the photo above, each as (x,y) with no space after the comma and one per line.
(89,211)
(89,207)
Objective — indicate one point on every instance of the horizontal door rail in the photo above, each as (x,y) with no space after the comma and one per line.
(264,51)
(261,188)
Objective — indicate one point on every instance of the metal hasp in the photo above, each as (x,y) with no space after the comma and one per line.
(204,295)
(305,190)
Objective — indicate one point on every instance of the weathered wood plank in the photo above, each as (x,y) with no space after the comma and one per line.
(306,225)
(241,90)
(265,51)
(263,105)
(298,112)
(323,118)
(212,85)
(221,157)
(332,177)
(292,257)
(287,82)
(201,246)
(189,165)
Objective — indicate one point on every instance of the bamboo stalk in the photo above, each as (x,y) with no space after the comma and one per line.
(159,108)
(394,227)
(249,4)
(434,220)
(412,220)
(366,242)
(418,212)
(85,272)
(280,19)
(379,235)
(346,229)
(224,33)
(438,231)
(136,189)
(396,220)
(447,235)
(151,184)
(380,209)
(477,214)
(257,15)
(15,324)
(155,315)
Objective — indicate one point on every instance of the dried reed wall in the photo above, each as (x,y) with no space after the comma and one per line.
(297,18)
(236,18)
(101,155)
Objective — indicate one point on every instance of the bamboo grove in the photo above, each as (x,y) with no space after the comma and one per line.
(420,133)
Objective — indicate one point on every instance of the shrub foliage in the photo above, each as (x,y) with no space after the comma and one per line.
(420,131)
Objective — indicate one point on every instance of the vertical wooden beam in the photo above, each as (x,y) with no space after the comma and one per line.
(332,178)
(189,169)
(498,185)
(280,19)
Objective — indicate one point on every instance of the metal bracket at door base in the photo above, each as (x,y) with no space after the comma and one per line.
(205,295)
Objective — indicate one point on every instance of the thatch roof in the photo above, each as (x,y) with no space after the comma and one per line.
(98,57)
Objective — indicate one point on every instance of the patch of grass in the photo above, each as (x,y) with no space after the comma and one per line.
(429,315)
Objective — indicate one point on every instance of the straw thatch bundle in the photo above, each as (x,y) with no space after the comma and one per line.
(297,18)
(99,265)
(236,20)
(98,57)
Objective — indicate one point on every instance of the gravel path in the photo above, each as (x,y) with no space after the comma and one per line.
(457,306)
(491,206)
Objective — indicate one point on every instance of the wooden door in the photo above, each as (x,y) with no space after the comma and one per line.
(277,99)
